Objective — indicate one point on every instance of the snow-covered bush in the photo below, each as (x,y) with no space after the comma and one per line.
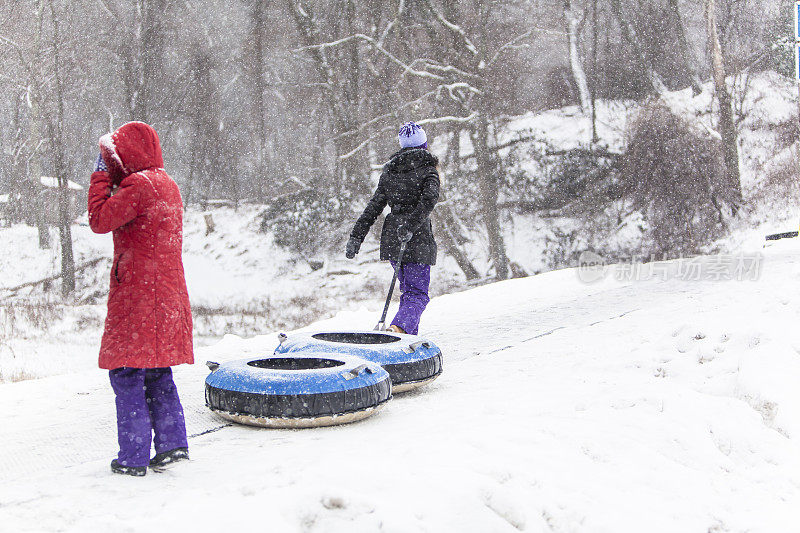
(674,174)
(578,177)
(307,221)
(778,190)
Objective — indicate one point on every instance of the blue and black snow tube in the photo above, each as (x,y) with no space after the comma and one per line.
(309,389)
(410,360)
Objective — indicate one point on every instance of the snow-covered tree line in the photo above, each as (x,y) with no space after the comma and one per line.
(295,103)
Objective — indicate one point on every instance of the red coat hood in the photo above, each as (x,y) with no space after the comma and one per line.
(132,148)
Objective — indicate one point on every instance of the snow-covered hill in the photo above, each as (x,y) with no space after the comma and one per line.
(766,113)
(663,399)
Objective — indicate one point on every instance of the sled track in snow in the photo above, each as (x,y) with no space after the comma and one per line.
(79,426)
(470,338)
(83,429)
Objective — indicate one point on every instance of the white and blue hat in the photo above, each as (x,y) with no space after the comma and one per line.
(412,135)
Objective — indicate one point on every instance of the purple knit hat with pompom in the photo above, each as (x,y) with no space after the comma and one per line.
(412,135)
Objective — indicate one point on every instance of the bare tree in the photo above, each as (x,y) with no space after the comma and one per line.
(475,52)
(685,49)
(447,223)
(726,126)
(138,36)
(258,81)
(630,35)
(31,81)
(338,64)
(56,137)
(208,142)
(578,74)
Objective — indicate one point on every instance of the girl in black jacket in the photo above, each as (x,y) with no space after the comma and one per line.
(409,185)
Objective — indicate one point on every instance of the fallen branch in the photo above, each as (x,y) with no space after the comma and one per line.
(54,277)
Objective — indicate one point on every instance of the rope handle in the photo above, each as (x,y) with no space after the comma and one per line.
(352,374)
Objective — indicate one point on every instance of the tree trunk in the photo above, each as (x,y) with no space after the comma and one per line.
(578,73)
(595,138)
(445,222)
(153,44)
(445,225)
(489,193)
(35,137)
(207,142)
(259,24)
(688,57)
(726,127)
(57,145)
(341,93)
(143,59)
(629,33)
(65,234)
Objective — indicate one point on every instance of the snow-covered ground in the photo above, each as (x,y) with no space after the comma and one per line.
(664,403)
(661,397)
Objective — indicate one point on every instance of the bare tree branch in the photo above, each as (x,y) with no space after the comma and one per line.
(411,103)
(366,38)
(438,120)
(108,9)
(389,27)
(510,45)
(9,42)
(454,28)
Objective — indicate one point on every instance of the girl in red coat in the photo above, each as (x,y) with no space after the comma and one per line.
(148,327)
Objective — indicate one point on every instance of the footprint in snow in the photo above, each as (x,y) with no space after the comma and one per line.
(333,502)
(505,508)
(753,341)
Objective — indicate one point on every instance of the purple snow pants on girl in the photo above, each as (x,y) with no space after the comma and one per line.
(415,278)
(147,402)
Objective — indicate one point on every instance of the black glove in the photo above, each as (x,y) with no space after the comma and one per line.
(403,233)
(353,246)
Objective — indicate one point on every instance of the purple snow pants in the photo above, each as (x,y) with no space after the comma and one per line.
(147,401)
(415,278)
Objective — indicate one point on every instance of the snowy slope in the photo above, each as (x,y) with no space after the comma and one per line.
(661,404)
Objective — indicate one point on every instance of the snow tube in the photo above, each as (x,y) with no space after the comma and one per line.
(410,360)
(309,389)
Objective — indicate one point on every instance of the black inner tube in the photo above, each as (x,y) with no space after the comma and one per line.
(295,363)
(299,405)
(357,338)
(415,370)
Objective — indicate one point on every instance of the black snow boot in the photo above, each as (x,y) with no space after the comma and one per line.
(137,471)
(170,456)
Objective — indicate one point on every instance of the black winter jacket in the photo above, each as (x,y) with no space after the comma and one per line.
(409,184)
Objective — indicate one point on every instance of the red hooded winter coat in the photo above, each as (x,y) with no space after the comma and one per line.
(149,321)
